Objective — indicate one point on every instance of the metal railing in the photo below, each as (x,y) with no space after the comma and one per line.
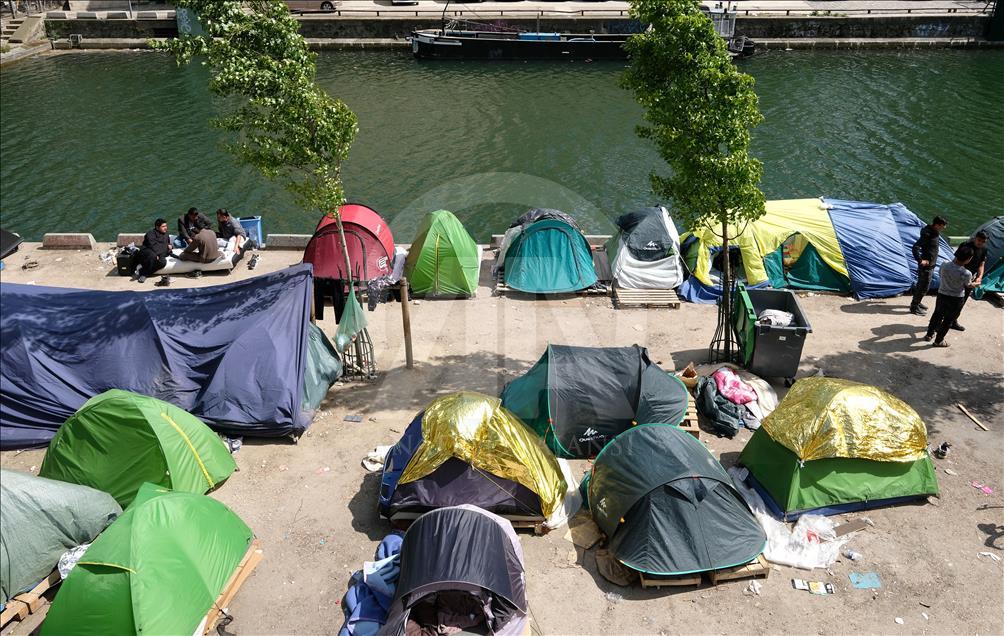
(624,13)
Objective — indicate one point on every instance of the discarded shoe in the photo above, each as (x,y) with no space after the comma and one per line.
(197,273)
(943,450)
(254,261)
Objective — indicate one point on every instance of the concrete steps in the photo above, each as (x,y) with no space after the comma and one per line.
(8,30)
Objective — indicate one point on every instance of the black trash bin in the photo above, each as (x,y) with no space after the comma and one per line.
(767,350)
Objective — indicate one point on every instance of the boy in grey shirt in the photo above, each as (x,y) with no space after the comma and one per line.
(955,280)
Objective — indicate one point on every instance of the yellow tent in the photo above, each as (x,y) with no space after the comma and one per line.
(807,217)
(477,429)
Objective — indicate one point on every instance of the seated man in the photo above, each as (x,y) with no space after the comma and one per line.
(188,226)
(153,255)
(202,248)
(230,227)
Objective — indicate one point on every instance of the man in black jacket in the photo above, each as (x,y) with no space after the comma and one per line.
(925,252)
(153,255)
(189,224)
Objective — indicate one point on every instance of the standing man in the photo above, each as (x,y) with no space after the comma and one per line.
(153,255)
(956,280)
(925,252)
(979,246)
(188,226)
(230,227)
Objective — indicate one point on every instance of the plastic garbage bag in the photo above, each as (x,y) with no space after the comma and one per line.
(775,318)
(353,322)
(69,559)
(812,543)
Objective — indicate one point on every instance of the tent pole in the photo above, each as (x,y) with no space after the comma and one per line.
(406,321)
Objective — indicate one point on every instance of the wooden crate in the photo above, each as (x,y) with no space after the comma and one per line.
(243,570)
(26,611)
(645,298)
(758,567)
(689,423)
(682,580)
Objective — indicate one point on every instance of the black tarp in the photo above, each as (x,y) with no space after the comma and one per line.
(538,214)
(681,513)
(645,234)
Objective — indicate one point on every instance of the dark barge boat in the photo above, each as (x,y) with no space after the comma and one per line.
(458,39)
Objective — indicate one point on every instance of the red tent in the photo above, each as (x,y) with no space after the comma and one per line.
(369,241)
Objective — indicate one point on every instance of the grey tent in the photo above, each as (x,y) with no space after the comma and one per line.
(645,253)
(579,398)
(668,507)
(40,519)
(462,562)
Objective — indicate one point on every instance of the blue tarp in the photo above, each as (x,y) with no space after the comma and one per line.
(397,460)
(232,355)
(877,263)
(909,226)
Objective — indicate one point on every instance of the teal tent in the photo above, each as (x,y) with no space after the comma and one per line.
(545,253)
(993,271)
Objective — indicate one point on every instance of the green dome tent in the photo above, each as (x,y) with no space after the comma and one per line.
(834,446)
(118,440)
(157,570)
(443,260)
(580,398)
(668,507)
(40,519)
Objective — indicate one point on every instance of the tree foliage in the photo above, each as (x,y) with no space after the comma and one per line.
(282,122)
(699,111)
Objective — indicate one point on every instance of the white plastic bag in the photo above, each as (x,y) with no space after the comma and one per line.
(69,559)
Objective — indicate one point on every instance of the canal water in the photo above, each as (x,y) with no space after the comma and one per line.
(105,142)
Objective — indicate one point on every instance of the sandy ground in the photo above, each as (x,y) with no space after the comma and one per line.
(318,526)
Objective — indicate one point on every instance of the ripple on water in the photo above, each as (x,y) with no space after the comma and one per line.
(104,142)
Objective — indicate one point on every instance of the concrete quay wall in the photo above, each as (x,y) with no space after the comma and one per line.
(384,27)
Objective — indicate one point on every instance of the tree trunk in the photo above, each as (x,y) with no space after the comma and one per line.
(727,290)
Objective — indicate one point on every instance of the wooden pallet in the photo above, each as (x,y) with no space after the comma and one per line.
(689,423)
(682,580)
(26,611)
(243,570)
(645,298)
(758,567)
(501,288)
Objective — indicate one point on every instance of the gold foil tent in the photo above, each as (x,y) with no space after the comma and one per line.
(827,417)
(466,448)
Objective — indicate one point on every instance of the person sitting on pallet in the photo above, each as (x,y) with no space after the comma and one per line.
(202,247)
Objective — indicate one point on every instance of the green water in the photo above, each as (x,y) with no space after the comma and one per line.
(103,143)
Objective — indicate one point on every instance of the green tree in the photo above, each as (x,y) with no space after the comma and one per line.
(281,122)
(699,112)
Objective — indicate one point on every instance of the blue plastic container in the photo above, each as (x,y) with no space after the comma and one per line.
(252,225)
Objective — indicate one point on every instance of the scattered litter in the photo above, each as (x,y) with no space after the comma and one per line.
(991,555)
(852,526)
(33,468)
(108,256)
(321,471)
(375,459)
(165,281)
(986,490)
(971,416)
(924,614)
(865,580)
(582,531)
(923,604)
(353,418)
(613,597)
(814,587)
(949,471)
(899,621)
(612,570)
(415,302)
(254,261)
(852,555)
(373,419)
(70,558)
(753,589)
(636,327)
(321,542)
(283,468)
(233,443)
(942,451)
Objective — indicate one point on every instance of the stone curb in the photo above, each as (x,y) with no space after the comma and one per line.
(68,242)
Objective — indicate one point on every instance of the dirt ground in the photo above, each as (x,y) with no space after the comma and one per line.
(317,526)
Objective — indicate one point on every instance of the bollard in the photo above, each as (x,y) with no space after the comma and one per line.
(409,360)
